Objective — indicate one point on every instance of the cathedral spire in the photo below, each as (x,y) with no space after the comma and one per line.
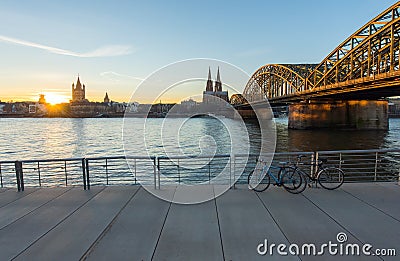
(78,83)
(209,86)
(218,83)
(106,99)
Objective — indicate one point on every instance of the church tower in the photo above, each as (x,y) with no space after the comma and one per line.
(106,99)
(78,91)
(209,86)
(218,83)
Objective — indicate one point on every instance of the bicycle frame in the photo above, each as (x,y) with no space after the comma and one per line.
(321,169)
(267,171)
(317,166)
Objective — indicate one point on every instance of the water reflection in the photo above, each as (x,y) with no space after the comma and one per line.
(328,139)
(61,138)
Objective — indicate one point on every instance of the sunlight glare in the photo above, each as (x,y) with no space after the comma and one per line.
(55,98)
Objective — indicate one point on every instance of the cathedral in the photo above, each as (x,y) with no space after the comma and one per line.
(213,93)
(78,92)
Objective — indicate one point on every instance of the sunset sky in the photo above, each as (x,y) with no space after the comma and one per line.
(113,45)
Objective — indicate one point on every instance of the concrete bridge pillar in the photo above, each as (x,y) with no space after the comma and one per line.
(353,114)
(260,112)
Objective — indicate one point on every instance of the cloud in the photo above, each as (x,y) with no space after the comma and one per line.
(105,51)
(114,76)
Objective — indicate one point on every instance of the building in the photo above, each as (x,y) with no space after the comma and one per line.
(214,93)
(106,99)
(78,92)
(189,105)
(2,106)
(42,99)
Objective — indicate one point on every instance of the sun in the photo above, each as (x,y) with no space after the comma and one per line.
(55,98)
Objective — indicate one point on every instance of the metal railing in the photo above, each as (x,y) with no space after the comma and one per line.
(117,171)
(365,165)
(358,165)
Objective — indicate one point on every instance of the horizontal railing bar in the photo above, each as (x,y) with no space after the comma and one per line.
(7,162)
(121,157)
(195,157)
(274,154)
(49,160)
(357,151)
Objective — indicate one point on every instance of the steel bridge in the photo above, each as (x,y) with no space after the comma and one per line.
(365,66)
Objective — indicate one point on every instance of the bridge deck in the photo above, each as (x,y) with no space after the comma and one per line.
(128,223)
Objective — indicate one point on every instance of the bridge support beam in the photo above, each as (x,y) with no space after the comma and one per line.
(354,114)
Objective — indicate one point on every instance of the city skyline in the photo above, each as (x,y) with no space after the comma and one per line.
(45,45)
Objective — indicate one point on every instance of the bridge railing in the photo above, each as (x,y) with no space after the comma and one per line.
(358,165)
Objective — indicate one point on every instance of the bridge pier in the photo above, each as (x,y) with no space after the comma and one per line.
(260,112)
(352,114)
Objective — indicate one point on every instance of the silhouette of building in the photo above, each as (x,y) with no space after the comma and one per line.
(42,99)
(78,92)
(106,99)
(214,94)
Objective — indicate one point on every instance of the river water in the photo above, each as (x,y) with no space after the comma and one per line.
(33,138)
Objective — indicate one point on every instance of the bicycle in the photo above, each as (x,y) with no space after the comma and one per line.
(260,178)
(328,177)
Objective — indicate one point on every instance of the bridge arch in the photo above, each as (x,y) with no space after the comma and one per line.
(275,80)
(372,52)
(237,99)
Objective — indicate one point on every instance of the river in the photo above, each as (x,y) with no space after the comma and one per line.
(42,138)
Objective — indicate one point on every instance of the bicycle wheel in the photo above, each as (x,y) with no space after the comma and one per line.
(331,178)
(293,180)
(258,180)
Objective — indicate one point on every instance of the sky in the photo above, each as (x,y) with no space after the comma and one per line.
(114,45)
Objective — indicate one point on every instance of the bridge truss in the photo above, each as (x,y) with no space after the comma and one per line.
(365,65)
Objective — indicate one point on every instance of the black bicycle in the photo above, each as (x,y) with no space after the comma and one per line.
(260,178)
(329,177)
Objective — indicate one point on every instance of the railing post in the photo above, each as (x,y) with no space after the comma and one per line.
(135,172)
(230,170)
(179,174)
(399,178)
(40,178)
(19,176)
(1,177)
(234,172)
(87,174)
(84,173)
(66,175)
(315,169)
(376,165)
(159,174)
(107,171)
(209,171)
(155,172)
(22,177)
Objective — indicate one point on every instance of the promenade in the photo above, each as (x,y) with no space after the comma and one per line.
(128,223)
